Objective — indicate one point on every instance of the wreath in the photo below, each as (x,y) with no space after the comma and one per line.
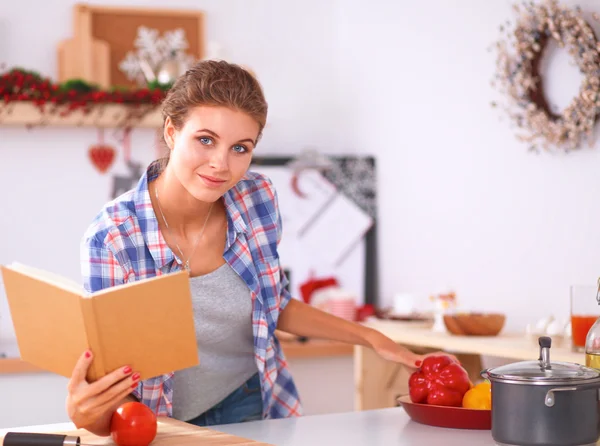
(518,76)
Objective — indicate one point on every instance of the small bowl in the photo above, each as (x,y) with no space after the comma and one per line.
(474,324)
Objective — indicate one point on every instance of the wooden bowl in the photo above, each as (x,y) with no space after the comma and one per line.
(474,324)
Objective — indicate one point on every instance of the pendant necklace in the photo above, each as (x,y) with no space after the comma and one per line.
(186,265)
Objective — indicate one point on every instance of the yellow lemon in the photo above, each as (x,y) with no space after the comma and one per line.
(479,397)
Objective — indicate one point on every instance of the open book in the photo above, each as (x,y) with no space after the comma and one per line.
(147,324)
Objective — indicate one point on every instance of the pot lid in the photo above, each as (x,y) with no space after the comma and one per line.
(535,371)
(543,370)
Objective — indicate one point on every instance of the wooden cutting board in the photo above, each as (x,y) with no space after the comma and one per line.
(93,65)
(172,432)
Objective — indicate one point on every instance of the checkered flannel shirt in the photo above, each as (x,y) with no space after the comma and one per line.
(124,244)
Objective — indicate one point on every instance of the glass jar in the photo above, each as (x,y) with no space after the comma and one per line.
(592,340)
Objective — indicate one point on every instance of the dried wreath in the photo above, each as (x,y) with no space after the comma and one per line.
(518,75)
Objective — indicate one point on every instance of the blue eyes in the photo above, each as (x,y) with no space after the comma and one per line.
(206,141)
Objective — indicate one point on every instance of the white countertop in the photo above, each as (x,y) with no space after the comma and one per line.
(383,427)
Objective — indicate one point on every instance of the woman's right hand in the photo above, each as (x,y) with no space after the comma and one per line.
(90,406)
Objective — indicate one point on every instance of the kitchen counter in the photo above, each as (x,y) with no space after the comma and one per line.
(381,427)
(515,346)
(378,383)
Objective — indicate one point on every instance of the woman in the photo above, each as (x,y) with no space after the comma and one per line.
(202,210)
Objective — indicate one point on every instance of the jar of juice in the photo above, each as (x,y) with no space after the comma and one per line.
(585,310)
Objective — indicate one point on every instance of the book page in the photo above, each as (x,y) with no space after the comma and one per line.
(46,276)
(133,283)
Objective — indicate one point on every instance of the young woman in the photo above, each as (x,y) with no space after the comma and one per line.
(201,209)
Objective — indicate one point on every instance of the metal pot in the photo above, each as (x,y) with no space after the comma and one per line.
(545,403)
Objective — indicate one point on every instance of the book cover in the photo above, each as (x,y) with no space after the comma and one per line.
(147,324)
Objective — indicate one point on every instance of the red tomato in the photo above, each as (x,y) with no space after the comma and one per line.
(133,424)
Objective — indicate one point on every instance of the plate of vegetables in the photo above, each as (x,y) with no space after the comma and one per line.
(441,394)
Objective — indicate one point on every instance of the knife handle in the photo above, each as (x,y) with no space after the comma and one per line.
(31,439)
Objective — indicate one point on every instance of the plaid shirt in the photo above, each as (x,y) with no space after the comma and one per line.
(124,244)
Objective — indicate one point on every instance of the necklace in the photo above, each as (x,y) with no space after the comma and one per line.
(187,262)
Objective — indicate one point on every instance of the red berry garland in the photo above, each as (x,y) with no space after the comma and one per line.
(21,85)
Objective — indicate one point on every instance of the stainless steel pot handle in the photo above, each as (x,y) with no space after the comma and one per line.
(549,400)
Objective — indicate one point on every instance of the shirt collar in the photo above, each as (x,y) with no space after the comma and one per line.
(159,250)
(232,207)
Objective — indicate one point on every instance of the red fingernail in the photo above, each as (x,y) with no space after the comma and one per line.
(88,354)
(133,386)
(135,376)
(418,363)
(127,370)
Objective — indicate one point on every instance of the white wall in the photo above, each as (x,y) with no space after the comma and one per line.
(462,203)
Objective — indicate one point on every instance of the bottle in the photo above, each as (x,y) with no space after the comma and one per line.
(592,341)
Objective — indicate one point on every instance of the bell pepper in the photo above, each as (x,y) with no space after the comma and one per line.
(440,380)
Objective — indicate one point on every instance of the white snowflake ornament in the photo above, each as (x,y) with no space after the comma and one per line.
(153,51)
(175,40)
(132,68)
(149,45)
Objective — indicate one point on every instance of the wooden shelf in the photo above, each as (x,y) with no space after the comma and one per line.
(107,116)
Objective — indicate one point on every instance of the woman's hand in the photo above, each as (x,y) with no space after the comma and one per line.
(90,406)
(391,351)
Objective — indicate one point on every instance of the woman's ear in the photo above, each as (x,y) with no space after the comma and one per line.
(169,133)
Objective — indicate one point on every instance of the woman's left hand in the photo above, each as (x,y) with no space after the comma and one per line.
(391,351)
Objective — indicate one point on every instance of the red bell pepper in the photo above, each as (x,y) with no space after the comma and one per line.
(440,380)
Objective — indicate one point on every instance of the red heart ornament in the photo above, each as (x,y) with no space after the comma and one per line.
(102,156)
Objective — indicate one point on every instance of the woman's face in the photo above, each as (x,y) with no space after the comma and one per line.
(212,151)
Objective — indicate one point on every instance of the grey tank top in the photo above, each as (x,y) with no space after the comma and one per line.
(223,320)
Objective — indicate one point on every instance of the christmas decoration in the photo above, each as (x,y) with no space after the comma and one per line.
(308,159)
(354,177)
(101,154)
(313,284)
(157,58)
(518,76)
(19,84)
